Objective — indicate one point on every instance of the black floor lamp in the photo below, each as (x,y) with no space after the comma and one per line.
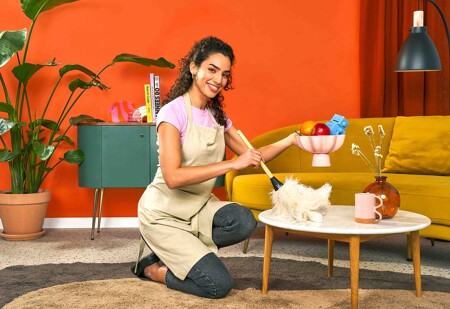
(418,53)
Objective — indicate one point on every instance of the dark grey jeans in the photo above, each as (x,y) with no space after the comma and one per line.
(209,277)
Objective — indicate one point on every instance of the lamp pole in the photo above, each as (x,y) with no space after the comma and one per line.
(443,20)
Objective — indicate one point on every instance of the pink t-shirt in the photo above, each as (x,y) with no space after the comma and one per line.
(174,113)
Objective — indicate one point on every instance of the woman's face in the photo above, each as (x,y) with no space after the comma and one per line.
(212,75)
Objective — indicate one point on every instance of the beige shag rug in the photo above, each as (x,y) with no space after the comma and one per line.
(135,293)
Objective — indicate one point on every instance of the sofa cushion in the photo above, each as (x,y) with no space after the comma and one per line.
(420,145)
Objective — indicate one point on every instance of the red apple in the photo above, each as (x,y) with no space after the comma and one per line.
(320,129)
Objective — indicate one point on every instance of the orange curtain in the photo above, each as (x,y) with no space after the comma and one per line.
(384,26)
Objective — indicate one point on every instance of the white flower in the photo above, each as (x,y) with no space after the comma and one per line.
(368,130)
(381,131)
(356,150)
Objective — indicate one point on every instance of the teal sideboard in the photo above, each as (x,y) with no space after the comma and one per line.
(117,155)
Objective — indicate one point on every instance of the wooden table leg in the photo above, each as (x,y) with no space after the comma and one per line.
(354,269)
(330,257)
(416,262)
(408,247)
(267,256)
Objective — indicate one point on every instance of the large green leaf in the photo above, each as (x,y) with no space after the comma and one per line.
(32,8)
(160,62)
(43,151)
(76,67)
(25,71)
(73,156)
(7,108)
(10,43)
(63,138)
(6,156)
(78,83)
(6,125)
(47,123)
(83,118)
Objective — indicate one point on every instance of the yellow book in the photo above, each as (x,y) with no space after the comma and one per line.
(148,102)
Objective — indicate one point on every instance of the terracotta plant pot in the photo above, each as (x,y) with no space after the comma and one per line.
(23,215)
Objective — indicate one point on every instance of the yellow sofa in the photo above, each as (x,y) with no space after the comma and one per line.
(416,160)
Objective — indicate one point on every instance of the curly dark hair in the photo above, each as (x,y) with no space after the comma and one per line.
(199,53)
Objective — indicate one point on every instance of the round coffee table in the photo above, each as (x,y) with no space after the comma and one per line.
(339,225)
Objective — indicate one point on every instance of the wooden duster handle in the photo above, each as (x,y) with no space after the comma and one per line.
(247,143)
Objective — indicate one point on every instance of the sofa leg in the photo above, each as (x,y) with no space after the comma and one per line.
(246,245)
(432,241)
(408,247)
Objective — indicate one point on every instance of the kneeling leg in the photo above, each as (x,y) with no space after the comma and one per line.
(232,224)
(208,278)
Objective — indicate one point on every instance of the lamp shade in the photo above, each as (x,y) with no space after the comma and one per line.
(418,53)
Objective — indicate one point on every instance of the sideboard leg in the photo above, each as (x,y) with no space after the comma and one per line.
(94,214)
(244,249)
(100,210)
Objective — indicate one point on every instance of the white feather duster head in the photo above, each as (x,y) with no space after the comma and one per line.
(300,202)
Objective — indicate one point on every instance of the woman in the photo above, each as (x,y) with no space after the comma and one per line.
(183,223)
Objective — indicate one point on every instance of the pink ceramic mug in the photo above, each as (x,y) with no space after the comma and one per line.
(365,208)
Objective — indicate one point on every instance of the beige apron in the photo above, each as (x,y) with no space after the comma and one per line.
(177,223)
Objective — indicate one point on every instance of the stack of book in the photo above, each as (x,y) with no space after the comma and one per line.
(152,97)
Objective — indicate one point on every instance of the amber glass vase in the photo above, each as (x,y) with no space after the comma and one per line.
(388,193)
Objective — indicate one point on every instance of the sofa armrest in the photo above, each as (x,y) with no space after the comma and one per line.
(229,183)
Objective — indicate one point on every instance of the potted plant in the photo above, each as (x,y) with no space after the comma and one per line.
(28,139)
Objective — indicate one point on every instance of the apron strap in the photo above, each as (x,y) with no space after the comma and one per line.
(188,105)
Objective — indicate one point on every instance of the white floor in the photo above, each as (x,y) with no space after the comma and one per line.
(121,245)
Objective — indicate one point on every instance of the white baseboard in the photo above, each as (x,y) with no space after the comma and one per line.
(86,223)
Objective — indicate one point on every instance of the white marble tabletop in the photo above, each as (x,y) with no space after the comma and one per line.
(339,219)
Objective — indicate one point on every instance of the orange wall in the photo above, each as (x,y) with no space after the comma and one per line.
(295,60)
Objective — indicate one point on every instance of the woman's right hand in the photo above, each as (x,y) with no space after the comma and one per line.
(251,157)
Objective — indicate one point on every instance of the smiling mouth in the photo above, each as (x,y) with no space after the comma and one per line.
(214,88)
